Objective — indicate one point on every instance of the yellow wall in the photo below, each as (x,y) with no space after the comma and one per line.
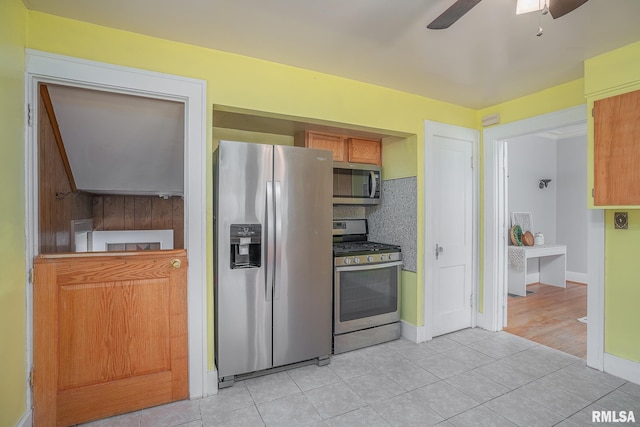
(245,83)
(546,101)
(13,21)
(607,75)
(622,293)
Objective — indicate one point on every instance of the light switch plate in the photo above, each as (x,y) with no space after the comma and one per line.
(621,220)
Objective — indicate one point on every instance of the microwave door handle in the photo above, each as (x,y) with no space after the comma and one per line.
(374,184)
(268,280)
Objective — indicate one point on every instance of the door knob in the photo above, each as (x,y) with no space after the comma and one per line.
(176,263)
(439,250)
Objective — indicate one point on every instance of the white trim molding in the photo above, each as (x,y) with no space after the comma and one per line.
(26,420)
(595,290)
(64,70)
(496,226)
(623,368)
(412,332)
(212,382)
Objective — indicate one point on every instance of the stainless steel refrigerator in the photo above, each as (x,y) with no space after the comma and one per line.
(272,257)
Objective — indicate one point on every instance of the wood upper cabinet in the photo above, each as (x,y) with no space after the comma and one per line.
(344,148)
(617,150)
(365,151)
(110,334)
(324,141)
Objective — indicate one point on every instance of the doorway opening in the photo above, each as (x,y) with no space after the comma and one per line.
(111,171)
(546,182)
(496,226)
(51,69)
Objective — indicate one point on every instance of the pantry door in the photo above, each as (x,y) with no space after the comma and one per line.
(110,334)
(451,234)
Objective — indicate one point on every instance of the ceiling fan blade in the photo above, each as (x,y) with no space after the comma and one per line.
(558,8)
(451,15)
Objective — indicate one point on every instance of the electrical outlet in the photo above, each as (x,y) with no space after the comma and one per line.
(621,220)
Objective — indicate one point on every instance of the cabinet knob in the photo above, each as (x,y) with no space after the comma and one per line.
(176,263)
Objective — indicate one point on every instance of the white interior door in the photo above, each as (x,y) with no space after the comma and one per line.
(451,235)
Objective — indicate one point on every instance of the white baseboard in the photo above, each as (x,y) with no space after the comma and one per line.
(623,368)
(573,276)
(412,332)
(26,420)
(212,382)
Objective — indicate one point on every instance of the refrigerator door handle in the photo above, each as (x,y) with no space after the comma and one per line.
(268,280)
(278,249)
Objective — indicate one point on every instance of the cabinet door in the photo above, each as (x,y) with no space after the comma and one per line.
(110,334)
(617,150)
(323,141)
(365,151)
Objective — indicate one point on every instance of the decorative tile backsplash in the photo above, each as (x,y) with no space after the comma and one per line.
(395,220)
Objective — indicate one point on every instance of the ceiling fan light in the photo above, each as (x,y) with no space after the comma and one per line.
(526,6)
(545,9)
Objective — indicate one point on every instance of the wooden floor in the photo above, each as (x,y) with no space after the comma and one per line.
(549,317)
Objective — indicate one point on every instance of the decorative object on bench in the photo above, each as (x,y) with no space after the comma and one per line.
(551,257)
(516,235)
(524,220)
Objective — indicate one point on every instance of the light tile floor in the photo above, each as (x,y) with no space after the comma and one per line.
(467,378)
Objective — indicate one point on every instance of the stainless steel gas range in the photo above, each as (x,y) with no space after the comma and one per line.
(366,288)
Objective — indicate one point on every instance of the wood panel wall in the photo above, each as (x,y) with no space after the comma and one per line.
(115,212)
(58,205)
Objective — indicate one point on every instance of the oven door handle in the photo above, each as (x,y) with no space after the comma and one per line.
(358,267)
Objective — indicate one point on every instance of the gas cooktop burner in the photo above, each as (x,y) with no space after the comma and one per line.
(363,248)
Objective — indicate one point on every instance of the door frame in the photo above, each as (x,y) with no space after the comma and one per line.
(432,129)
(44,67)
(495,228)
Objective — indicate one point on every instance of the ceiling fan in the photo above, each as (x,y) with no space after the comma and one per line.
(557,8)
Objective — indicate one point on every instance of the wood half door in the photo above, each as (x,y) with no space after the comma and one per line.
(110,334)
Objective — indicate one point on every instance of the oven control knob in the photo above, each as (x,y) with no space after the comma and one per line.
(370,258)
(347,260)
(356,260)
(383,257)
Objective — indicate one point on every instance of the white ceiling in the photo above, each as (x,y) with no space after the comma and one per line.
(487,57)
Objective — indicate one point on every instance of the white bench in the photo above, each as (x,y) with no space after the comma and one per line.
(553,266)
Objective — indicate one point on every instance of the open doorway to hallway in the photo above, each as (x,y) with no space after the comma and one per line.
(547,177)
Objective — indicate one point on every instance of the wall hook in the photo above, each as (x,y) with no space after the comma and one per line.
(543,183)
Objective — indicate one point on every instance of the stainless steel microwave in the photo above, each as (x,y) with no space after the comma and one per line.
(356,184)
